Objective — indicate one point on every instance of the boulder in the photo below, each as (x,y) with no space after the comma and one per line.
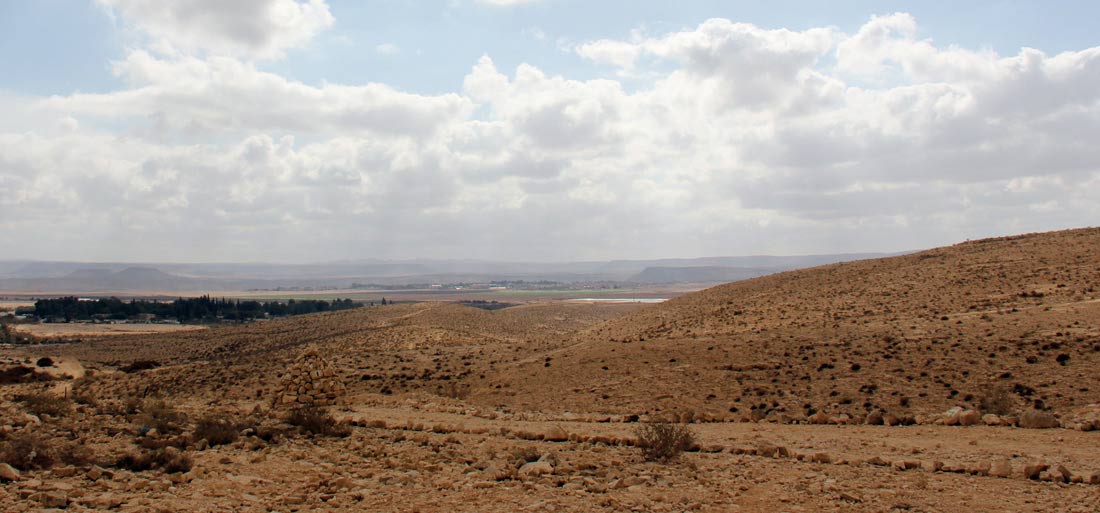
(1032,471)
(874,418)
(969,418)
(1001,468)
(951,416)
(1038,420)
(818,418)
(7,473)
(990,419)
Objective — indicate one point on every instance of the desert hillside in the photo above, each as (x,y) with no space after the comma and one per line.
(913,334)
(544,407)
(432,347)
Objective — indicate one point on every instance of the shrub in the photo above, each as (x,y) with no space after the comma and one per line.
(168,459)
(26,451)
(996,400)
(22,374)
(316,421)
(663,441)
(161,416)
(216,431)
(45,403)
(139,365)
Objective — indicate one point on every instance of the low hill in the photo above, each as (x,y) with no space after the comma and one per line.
(379,349)
(910,334)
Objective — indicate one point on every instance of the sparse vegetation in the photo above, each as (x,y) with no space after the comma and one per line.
(27,451)
(663,441)
(317,421)
(997,400)
(169,460)
(216,430)
(139,365)
(45,403)
(159,415)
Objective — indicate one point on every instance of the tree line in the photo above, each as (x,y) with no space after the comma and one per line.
(202,308)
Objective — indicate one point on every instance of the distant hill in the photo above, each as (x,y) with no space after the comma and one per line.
(909,334)
(699,274)
(78,277)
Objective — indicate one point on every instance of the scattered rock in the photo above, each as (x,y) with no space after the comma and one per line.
(52,499)
(7,473)
(1038,420)
(1032,471)
(536,468)
(1001,468)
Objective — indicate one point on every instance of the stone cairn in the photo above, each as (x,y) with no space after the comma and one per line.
(311,381)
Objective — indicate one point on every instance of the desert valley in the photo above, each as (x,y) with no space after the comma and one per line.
(958,378)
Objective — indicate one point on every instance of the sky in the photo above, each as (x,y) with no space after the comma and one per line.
(539,130)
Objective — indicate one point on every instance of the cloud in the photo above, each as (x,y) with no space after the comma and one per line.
(730,139)
(203,98)
(262,29)
(507,3)
(387,49)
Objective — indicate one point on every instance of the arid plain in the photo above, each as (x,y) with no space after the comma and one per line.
(962,377)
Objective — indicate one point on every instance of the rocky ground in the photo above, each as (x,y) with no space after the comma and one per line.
(931,382)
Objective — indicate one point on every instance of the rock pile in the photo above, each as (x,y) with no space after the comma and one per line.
(311,381)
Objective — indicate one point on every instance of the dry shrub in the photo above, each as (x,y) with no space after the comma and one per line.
(26,451)
(997,400)
(159,415)
(139,365)
(22,374)
(81,392)
(316,421)
(663,441)
(217,430)
(45,403)
(167,459)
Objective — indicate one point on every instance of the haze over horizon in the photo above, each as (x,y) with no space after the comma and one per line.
(300,131)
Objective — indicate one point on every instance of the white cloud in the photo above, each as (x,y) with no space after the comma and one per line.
(741,139)
(507,3)
(387,49)
(242,28)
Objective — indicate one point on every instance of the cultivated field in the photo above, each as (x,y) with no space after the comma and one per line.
(961,378)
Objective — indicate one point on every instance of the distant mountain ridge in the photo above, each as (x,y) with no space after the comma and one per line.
(76,277)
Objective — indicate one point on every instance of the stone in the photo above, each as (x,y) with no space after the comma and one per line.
(979,469)
(878,462)
(1060,471)
(1032,471)
(1038,420)
(535,469)
(951,416)
(990,419)
(7,473)
(821,457)
(52,499)
(818,418)
(1001,468)
(310,381)
(969,418)
(873,419)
